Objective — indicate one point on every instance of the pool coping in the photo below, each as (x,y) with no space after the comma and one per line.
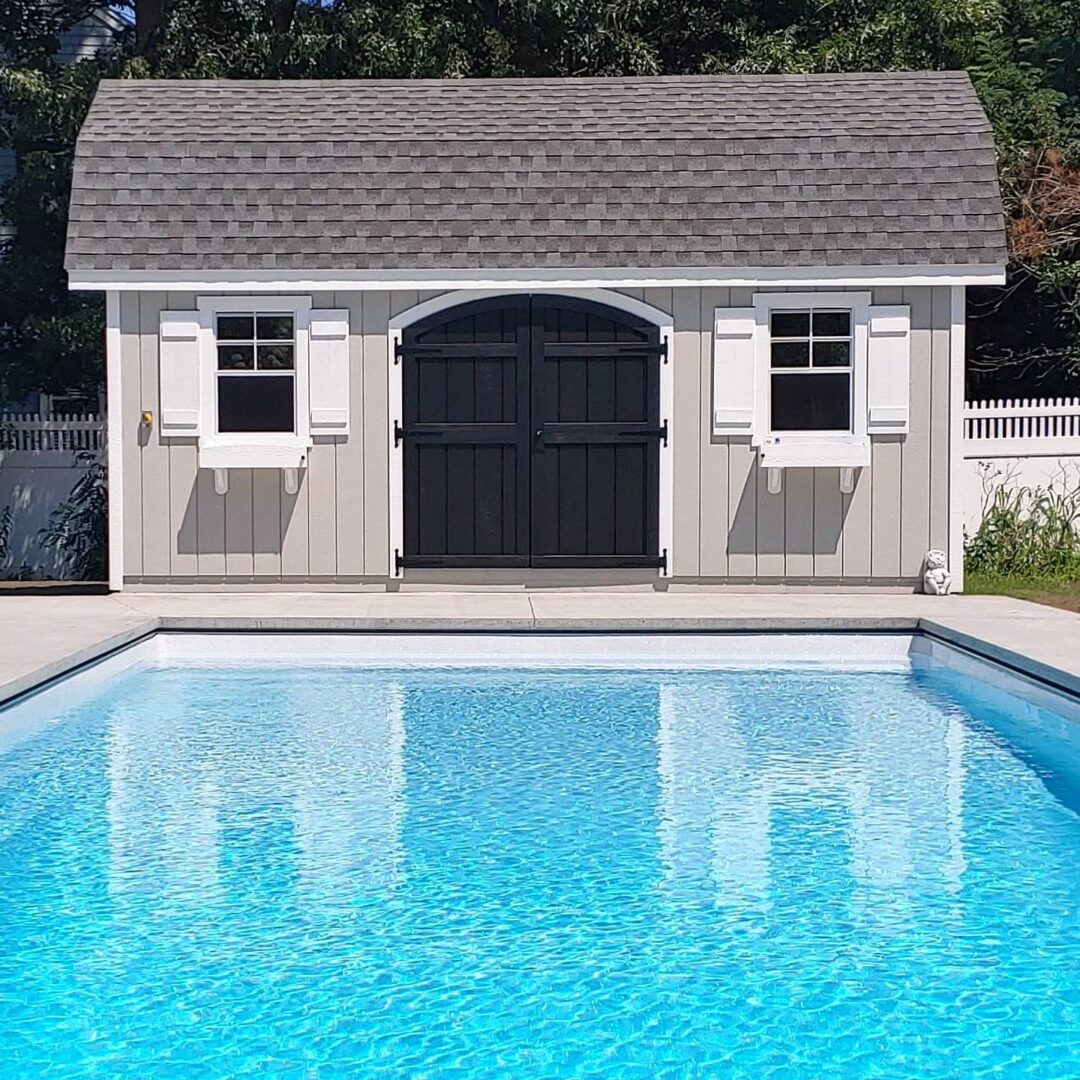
(45,638)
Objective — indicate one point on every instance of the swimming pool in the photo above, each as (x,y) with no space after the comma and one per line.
(759,869)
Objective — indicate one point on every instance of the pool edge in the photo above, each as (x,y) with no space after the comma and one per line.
(965,626)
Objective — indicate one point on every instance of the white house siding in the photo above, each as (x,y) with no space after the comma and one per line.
(728,528)
(87,38)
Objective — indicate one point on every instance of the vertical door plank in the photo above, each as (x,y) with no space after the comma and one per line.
(601,507)
(489,494)
(631,525)
(461,495)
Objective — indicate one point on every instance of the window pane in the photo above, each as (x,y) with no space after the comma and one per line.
(235,357)
(832,323)
(790,324)
(275,327)
(811,402)
(276,357)
(832,353)
(235,327)
(791,354)
(255,403)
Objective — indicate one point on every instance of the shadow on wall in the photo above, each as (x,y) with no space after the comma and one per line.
(806,517)
(30,491)
(253,516)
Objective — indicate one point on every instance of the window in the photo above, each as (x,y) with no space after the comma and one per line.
(256,372)
(810,370)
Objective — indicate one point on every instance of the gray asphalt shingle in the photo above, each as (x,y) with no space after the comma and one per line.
(679,172)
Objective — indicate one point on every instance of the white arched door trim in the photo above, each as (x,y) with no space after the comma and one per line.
(662,320)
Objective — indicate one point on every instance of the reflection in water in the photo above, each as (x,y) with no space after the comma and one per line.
(354,842)
(714,814)
(893,781)
(310,790)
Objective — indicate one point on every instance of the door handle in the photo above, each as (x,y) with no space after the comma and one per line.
(538,436)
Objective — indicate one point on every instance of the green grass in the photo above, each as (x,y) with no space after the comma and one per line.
(1057,592)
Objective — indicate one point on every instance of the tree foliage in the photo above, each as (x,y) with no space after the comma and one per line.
(1023,55)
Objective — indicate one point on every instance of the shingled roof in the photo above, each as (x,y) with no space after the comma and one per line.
(695,172)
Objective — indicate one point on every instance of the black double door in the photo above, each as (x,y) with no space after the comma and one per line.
(531,429)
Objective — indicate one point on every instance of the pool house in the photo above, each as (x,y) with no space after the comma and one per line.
(654,332)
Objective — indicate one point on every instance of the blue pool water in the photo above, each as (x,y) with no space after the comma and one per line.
(330,872)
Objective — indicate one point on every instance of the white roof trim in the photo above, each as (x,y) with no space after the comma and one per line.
(113,20)
(253,281)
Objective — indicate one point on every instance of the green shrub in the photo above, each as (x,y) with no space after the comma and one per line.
(78,526)
(1027,533)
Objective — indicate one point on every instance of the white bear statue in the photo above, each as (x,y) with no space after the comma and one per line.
(937,581)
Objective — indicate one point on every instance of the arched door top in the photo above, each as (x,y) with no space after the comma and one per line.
(603,297)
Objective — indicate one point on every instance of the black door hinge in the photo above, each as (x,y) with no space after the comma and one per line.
(664,351)
(399,351)
(663,433)
(399,433)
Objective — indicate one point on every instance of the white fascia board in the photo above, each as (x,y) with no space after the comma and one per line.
(252,281)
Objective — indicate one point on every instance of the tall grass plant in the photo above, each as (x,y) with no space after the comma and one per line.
(1029,533)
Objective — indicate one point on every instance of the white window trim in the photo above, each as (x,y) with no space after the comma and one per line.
(858,303)
(247,449)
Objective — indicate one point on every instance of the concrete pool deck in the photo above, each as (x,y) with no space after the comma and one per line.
(42,636)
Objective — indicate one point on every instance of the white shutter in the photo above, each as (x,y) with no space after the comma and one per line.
(329,371)
(888,378)
(734,372)
(178,339)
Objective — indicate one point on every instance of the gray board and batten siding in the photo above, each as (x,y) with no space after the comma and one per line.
(727,527)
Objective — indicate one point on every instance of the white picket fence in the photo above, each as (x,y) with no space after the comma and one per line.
(1029,423)
(33,433)
(1022,442)
(41,459)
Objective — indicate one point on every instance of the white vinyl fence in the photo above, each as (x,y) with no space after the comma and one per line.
(39,465)
(1024,442)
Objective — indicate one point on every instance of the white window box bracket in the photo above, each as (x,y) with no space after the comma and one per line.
(290,458)
(844,452)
